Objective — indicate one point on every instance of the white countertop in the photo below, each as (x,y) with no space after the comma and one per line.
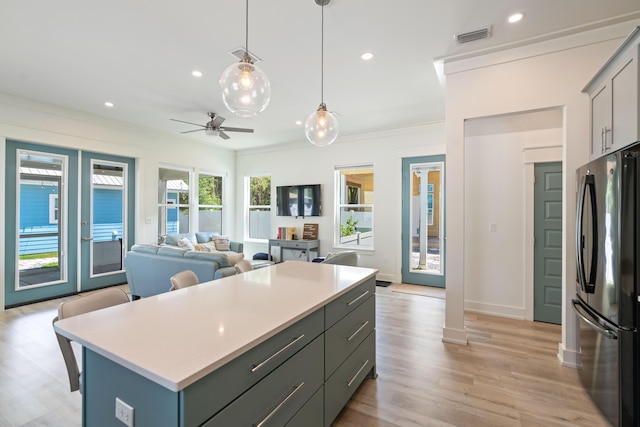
(178,337)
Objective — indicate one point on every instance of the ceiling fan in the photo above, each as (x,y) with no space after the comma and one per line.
(213,127)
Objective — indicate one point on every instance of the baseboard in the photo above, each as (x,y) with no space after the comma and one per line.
(386,278)
(495,310)
(569,358)
(454,336)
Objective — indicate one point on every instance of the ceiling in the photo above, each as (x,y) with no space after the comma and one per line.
(139,55)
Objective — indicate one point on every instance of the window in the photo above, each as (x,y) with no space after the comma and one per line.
(210,203)
(53,208)
(173,201)
(258,202)
(183,207)
(354,207)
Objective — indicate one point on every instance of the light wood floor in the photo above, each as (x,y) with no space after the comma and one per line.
(508,375)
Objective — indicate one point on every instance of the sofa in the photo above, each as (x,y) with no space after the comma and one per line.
(149,267)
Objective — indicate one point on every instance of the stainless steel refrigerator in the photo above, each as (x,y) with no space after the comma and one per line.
(606,301)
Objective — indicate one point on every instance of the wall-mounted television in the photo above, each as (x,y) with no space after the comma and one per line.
(298,200)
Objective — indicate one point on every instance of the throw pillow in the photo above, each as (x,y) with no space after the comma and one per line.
(185,243)
(222,243)
(205,247)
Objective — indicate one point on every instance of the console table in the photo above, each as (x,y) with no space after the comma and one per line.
(298,245)
(285,345)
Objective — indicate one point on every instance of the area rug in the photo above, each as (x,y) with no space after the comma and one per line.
(426,291)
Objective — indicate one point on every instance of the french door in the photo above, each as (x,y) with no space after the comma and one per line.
(67,221)
(423,243)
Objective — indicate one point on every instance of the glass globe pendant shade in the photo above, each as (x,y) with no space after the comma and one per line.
(321,127)
(246,90)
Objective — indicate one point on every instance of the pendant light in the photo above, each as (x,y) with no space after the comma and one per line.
(246,90)
(321,127)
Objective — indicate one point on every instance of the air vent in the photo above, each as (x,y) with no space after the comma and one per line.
(471,36)
(239,53)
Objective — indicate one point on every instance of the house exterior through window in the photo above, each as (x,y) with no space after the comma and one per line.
(354,207)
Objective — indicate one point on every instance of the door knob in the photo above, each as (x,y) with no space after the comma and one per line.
(86,239)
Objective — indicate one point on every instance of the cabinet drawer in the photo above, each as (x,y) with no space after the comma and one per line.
(279,396)
(312,413)
(346,335)
(206,397)
(345,381)
(348,302)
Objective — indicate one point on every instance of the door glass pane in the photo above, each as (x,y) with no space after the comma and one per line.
(41,219)
(108,216)
(426,218)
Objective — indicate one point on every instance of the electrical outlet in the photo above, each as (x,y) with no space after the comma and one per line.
(124,412)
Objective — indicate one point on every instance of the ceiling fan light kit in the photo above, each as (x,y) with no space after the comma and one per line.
(246,90)
(321,127)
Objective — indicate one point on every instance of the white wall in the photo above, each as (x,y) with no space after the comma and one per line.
(495,180)
(303,163)
(546,75)
(45,124)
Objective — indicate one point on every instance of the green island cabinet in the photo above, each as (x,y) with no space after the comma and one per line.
(298,340)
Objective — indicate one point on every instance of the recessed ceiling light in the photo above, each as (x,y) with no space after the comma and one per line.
(366,56)
(516,17)
(196,73)
(108,104)
(298,122)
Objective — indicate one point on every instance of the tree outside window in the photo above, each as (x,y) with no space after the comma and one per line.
(210,203)
(258,202)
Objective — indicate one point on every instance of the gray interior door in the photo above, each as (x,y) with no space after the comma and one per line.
(548,243)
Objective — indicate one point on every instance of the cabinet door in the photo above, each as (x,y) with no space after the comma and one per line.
(600,120)
(624,103)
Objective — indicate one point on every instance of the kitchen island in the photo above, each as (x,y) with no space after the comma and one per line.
(283,345)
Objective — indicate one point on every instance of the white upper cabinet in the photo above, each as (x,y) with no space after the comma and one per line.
(614,94)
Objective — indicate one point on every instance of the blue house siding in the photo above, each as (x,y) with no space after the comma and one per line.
(172,214)
(34,218)
(107,214)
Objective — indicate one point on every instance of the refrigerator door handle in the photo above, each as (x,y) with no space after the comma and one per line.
(584,314)
(579,236)
(588,286)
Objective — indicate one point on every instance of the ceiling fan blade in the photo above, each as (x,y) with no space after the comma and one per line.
(223,135)
(236,129)
(189,123)
(216,120)
(195,130)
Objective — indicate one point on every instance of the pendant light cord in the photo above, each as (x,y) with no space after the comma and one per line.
(322,57)
(246,29)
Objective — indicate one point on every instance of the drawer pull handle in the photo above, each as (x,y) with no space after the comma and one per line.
(260,365)
(277,408)
(361,295)
(358,331)
(357,373)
